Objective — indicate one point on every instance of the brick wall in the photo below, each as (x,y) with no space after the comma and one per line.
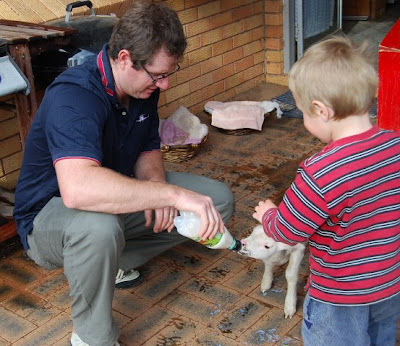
(225,54)
(274,42)
(233,45)
(10,144)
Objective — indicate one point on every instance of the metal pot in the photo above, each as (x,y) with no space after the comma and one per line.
(93,30)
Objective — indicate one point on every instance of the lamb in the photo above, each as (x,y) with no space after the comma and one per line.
(259,246)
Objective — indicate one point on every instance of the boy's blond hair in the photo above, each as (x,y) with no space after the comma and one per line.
(336,73)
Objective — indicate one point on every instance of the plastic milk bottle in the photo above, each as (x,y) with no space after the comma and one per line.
(188,225)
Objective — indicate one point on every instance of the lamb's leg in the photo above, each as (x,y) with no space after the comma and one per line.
(291,274)
(266,281)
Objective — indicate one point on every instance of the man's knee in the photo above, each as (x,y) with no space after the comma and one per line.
(98,229)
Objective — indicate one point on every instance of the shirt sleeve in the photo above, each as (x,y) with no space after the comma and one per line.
(300,214)
(75,123)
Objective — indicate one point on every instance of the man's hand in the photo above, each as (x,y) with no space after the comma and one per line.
(211,220)
(262,208)
(163,219)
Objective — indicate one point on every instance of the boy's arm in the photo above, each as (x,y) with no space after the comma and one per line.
(301,213)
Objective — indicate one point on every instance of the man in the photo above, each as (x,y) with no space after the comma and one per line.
(92,194)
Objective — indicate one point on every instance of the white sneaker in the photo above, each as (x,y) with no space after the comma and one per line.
(126,279)
(76,341)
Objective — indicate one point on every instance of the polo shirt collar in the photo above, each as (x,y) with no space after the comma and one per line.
(104,66)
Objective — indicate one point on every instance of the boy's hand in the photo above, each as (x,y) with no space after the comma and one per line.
(261,209)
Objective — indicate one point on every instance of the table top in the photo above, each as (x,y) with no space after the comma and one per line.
(12,32)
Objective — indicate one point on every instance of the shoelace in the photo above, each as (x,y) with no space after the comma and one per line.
(120,274)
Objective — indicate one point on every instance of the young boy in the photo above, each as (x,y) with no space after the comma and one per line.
(345,200)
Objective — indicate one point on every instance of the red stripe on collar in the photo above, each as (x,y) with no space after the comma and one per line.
(100,65)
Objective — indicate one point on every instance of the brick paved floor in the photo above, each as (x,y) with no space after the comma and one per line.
(190,295)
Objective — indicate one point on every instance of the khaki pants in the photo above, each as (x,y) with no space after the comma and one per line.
(93,246)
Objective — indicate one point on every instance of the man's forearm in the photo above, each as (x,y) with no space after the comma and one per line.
(90,187)
(150,166)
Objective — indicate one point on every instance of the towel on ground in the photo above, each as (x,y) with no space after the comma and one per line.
(240,114)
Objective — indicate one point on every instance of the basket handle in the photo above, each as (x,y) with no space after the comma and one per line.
(76,4)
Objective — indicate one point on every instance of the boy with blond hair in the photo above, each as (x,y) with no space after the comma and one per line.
(345,200)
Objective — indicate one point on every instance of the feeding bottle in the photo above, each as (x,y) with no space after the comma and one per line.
(188,225)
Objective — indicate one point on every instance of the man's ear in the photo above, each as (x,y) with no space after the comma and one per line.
(321,109)
(124,58)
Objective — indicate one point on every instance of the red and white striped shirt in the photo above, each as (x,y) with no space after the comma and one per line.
(345,200)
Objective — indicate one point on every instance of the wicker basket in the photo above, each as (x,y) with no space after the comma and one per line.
(181,153)
(238,132)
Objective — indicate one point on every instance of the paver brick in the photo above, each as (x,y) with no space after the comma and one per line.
(12,326)
(147,325)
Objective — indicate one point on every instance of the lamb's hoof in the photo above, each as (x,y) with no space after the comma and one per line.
(290,311)
(265,288)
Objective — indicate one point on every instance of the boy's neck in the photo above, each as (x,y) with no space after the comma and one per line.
(351,126)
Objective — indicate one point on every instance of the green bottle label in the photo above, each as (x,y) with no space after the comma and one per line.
(210,242)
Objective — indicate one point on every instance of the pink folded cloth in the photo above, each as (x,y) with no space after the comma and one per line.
(239,114)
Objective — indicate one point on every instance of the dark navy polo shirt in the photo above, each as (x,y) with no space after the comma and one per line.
(80,117)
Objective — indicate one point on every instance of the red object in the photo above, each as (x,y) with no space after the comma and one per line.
(389,80)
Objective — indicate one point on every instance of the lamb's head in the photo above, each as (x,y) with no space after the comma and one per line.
(258,245)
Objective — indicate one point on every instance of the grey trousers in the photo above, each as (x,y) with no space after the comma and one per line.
(93,246)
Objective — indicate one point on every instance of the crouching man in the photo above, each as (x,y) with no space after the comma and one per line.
(92,195)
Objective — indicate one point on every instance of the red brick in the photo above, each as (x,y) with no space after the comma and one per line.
(273,6)
(189,73)
(242,12)
(274,43)
(201,54)
(191,99)
(191,3)
(273,19)
(253,71)
(258,33)
(232,55)
(212,90)
(244,64)
(274,31)
(166,110)
(176,5)
(194,43)
(242,39)
(177,92)
(211,64)
(223,72)
(187,16)
(200,82)
(232,29)
(209,9)
(12,162)
(253,22)
(222,46)
(252,47)
(221,19)
(234,80)
(275,68)
(230,4)
(197,27)
(211,36)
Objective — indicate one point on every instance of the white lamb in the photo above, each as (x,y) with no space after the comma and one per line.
(259,246)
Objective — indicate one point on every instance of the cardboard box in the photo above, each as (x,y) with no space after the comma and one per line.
(389,80)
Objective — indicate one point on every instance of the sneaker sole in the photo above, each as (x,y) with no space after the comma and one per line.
(129,284)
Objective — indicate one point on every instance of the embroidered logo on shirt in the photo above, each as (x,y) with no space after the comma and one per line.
(142,117)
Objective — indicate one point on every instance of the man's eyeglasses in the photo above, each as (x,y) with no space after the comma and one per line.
(155,79)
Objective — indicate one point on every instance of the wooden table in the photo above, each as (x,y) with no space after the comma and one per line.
(24,41)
